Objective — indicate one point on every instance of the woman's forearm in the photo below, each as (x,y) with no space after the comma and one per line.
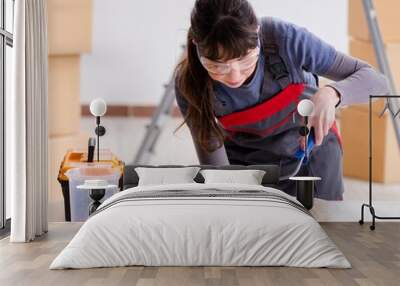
(356,80)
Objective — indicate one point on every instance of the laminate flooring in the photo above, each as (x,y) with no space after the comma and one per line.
(374,255)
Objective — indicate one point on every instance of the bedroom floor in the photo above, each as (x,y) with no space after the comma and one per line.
(374,255)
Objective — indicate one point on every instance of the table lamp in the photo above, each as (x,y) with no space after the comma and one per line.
(98,108)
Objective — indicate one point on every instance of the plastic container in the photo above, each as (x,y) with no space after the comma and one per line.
(79,199)
(77,158)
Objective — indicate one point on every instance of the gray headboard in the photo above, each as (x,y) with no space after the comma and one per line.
(271,177)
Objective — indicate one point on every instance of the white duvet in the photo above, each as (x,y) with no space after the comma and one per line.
(183,231)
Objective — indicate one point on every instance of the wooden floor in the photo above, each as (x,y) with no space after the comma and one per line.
(374,255)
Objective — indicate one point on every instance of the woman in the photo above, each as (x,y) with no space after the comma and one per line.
(240,82)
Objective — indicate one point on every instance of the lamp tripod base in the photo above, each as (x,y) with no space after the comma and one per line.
(374,216)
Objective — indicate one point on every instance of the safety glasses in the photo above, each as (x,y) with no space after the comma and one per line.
(220,68)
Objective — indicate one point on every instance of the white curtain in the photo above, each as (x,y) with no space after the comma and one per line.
(26,119)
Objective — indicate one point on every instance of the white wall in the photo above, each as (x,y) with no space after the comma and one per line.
(136,44)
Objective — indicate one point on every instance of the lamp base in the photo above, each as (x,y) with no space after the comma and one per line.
(96,195)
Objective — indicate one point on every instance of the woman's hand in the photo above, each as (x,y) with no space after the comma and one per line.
(324,113)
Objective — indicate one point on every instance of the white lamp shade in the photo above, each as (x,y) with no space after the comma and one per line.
(98,107)
(305,107)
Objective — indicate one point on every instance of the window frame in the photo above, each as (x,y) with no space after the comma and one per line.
(6,39)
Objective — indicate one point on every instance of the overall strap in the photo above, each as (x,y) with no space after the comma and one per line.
(274,62)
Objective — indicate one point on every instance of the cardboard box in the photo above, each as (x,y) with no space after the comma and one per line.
(354,127)
(364,50)
(64,98)
(387,12)
(58,147)
(69,26)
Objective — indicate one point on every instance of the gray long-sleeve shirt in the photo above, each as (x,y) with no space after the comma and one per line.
(305,55)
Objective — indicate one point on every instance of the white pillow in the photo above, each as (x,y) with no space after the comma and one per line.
(162,176)
(249,177)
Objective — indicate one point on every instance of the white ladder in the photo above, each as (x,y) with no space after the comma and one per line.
(158,121)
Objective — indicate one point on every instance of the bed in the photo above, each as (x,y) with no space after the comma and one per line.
(201,224)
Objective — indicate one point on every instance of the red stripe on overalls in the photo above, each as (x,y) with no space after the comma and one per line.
(263,132)
(265,109)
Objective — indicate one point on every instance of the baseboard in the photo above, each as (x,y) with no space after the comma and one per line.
(129,110)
